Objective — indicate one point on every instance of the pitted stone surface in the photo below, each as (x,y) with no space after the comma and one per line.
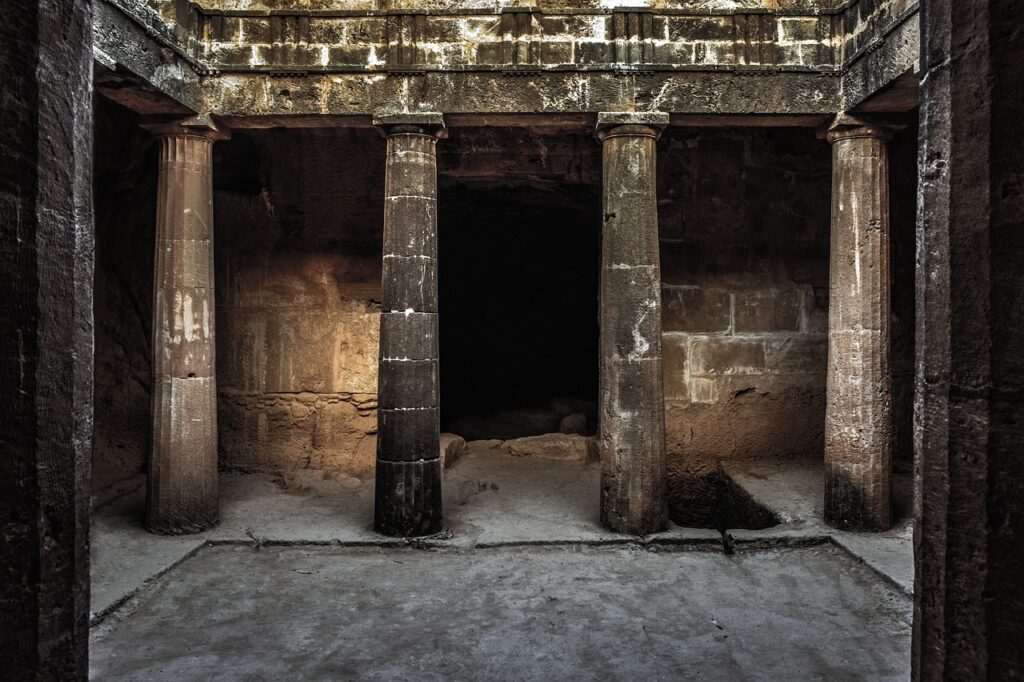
(183,461)
(46,338)
(859,413)
(511,613)
(969,422)
(631,402)
(283,58)
(409,467)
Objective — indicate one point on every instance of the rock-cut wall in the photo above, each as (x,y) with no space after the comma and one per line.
(744,226)
(298,272)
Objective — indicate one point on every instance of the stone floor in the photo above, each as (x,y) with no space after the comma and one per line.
(524,584)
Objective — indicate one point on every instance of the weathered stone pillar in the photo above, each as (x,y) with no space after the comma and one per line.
(858,419)
(46,338)
(632,416)
(182,486)
(408,492)
(969,394)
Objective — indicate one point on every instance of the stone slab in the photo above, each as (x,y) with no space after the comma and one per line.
(511,613)
(562,446)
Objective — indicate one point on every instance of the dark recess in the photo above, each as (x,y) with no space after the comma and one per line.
(518,278)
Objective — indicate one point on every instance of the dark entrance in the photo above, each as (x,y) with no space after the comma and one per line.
(518,279)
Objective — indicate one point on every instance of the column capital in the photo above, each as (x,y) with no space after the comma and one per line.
(422,123)
(637,123)
(850,126)
(201,125)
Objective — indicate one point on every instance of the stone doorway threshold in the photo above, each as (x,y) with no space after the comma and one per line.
(493,500)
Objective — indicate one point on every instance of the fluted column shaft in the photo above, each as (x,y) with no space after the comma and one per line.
(408,487)
(858,424)
(182,484)
(632,418)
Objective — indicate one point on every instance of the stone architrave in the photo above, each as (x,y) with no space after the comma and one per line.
(182,485)
(408,487)
(858,417)
(631,401)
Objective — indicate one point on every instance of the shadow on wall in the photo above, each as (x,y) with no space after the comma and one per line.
(299,215)
(125,204)
(744,218)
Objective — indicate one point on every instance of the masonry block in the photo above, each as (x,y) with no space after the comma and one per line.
(768,310)
(696,309)
(714,356)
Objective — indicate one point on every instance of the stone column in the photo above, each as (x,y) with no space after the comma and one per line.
(182,485)
(408,492)
(969,395)
(46,338)
(632,416)
(858,419)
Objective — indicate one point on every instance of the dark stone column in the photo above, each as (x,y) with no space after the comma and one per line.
(408,493)
(46,344)
(632,405)
(858,417)
(182,486)
(969,411)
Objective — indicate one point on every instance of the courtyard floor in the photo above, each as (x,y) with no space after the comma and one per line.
(524,584)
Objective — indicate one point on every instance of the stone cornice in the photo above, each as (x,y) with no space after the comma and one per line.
(670,42)
(697,7)
(516,40)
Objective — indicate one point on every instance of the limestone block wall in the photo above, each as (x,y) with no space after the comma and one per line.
(298,273)
(744,229)
(394,36)
(396,40)
(865,23)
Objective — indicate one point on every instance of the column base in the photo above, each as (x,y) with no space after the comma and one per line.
(408,498)
(848,506)
(163,526)
(630,522)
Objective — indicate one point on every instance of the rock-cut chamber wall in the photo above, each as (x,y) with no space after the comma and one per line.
(744,222)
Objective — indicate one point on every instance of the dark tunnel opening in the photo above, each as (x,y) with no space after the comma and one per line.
(518,283)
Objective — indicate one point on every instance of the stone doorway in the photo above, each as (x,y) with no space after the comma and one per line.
(518,282)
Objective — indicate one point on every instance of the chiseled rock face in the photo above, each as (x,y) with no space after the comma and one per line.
(299,273)
(46,348)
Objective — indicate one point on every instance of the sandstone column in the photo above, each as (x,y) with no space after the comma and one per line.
(182,486)
(408,492)
(632,417)
(858,420)
(46,338)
